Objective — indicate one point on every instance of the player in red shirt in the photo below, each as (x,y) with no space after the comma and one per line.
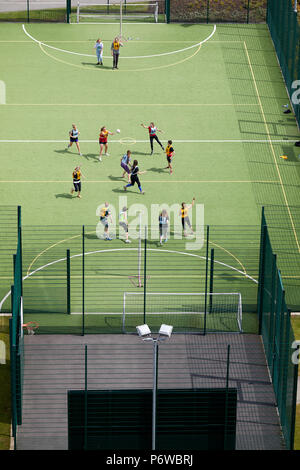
(103,141)
(152,135)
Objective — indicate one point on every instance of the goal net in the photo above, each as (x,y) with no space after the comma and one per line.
(187,313)
(117,12)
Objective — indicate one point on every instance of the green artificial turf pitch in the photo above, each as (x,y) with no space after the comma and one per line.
(216,92)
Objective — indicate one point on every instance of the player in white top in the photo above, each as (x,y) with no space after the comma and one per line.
(123,222)
(99,51)
(74,136)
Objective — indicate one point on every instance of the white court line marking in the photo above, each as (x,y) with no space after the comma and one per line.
(123,57)
(128,249)
(272,148)
(2,92)
(195,141)
(132,104)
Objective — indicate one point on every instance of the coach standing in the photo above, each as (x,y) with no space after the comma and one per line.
(115,51)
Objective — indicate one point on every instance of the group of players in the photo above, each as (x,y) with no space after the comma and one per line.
(131,169)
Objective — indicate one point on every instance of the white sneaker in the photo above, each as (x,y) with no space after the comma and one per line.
(127,241)
(100,159)
(107,154)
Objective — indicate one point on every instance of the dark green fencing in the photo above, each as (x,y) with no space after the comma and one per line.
(284,27)
(8,246)
(77,282)
(16,336)
(205,419)
(277,333)
(214,11)
(30,11)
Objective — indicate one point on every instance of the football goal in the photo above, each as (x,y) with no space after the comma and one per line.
(186,312)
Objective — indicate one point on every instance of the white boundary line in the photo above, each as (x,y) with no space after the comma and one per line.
(132,140)
(128,249)
(123,57)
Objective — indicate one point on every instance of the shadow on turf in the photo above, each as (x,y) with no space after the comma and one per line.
(100,67)
(157,170)
(65,195)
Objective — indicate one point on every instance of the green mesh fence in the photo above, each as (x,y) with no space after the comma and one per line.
(284,27)
(75,280)
(27,11)
(222,11)
(277,335)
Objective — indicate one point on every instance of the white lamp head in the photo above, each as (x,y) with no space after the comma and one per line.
(143,330)
(166,330)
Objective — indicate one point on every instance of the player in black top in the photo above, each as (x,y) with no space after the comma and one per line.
(134,178)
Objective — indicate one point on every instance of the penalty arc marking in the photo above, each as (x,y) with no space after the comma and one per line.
(130,249)
(40,43)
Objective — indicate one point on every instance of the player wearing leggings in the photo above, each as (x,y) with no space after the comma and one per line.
(152,135)
(134,178)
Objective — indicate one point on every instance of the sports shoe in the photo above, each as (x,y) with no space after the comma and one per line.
(127,241)
(107,154)
(80,154)
(100,159)
(108,238)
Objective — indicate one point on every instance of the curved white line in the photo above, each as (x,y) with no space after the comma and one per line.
(131,249)
(123,57)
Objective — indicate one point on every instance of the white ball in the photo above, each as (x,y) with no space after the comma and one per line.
(118,131)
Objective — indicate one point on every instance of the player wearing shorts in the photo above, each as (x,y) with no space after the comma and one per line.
(152,135)
(185,220)
(76,175)
(125,164)
(163,221)
(99,51)
(105,214)
(74,136)
(123,222)
(103,136)
(134,178)
(170,154)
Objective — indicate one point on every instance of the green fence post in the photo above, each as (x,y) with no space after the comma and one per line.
(226,397)
(85,399)
(68,283)
(145,273)
(206,279)
(13,383)
(20,247)
(248,11)
(167,11)
(261,270)
(68,8)
(294,405)
(211,278)
(83,299)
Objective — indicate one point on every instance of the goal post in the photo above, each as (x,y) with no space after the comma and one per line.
(186,312)
(118,11)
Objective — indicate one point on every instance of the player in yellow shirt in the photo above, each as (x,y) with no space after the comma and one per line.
(185,220)
(170,152)
(115,51)
(76,175)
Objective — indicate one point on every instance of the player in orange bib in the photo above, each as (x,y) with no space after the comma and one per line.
(104,133)
(115,51)
(170,152)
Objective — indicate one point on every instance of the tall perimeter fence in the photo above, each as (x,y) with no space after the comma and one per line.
(93,279)
(283,23)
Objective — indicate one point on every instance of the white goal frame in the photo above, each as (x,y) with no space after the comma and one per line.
(121,16)
(239,313)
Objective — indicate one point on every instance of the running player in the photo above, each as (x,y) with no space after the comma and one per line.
(134,177)
(123,222)
(170,154)
(152,135)
(103,141)
(185,220)
(163,220)
(105,214)
(74,136)
(76,175)
(125,164)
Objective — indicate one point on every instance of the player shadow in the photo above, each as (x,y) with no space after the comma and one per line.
(91,156)
(142,153)
(100,67)
(117,178)
(64,195)
(122,191)
(65,151)
(157,170)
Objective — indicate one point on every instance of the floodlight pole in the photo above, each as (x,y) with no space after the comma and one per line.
(154,394)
